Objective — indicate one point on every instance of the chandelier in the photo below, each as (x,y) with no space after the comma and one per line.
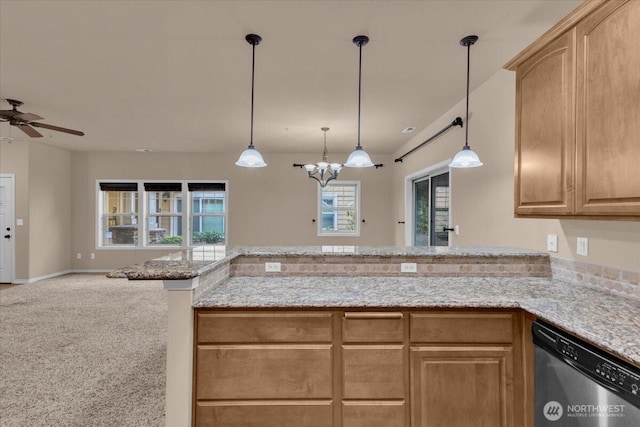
(323,171)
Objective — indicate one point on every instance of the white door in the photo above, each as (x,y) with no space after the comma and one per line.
(7,228)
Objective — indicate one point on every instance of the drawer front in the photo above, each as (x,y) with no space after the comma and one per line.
(264,414)
(373,327)
(373,372)
(264,372)
(263,327)
(373,414)
(461,328)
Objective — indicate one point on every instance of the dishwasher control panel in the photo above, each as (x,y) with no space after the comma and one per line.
(604,368)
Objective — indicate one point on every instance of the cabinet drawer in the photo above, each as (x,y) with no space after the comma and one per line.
(264,414)
(264,372)
(373,414)
(461,328)
(263,327)
(373,372)
(373,327)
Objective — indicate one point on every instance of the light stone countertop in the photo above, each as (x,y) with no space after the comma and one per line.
(609,321)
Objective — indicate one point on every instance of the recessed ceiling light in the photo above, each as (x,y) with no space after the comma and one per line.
(143,150)
(409,129)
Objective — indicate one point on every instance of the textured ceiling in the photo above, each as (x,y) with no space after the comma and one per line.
(176,75)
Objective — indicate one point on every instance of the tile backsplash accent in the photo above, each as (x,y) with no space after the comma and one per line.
(621,282)
(450,266)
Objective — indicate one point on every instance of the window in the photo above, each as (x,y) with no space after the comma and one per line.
(209,211)
(339,209)
(119,213)
(164,219)
(164,213)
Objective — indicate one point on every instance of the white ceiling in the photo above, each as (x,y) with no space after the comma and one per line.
(176,75)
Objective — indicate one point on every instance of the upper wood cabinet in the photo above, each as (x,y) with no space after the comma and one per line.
(578,116)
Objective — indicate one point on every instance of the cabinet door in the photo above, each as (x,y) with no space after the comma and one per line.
(545,136)
(462,386)
(608,111)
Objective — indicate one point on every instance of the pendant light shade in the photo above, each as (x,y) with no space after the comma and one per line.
(466,158)
(359,158)
(251,158)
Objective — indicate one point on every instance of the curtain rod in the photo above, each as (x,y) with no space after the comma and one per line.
(456,122)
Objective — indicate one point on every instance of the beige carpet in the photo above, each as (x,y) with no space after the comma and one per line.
(83,350)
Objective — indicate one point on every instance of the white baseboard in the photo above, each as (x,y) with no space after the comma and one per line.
(59,273)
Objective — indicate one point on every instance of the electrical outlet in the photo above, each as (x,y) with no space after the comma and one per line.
(552,242)
(408,267)
(93,256)
(79,255)
(582,246)
(272,267)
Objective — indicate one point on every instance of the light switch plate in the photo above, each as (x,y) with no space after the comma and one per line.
(552,242)
(582,246)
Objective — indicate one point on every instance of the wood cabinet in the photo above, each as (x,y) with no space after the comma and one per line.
(577,116)
(374,369)
(356,368)
(462,386)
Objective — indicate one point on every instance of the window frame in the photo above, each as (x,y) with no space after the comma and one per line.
(320,198)
(144,214)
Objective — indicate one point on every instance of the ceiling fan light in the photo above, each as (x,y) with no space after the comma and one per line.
(359,159)
(251,158)
(466,158)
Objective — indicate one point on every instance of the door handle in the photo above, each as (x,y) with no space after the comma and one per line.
(444,229)
(7,236)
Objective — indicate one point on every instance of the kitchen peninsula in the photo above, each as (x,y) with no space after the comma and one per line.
(351,336)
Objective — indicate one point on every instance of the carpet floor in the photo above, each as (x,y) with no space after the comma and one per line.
(83,350)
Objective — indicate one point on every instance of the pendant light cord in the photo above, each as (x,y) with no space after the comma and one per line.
(466,121)
(253,72)
(359,90)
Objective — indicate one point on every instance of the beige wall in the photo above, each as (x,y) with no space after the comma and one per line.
(49,210)
(14,159)
(43,202)
(482,198)
(267,206)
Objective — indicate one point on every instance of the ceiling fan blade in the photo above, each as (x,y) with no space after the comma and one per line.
(27,117)
(57,128)
(29,131)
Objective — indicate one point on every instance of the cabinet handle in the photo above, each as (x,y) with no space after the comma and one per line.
(367,315)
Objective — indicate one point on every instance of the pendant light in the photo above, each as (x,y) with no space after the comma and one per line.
(323,171)
(466,158)
(251,158)
(359,158)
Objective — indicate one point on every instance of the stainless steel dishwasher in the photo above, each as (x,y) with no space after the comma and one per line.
(579,385)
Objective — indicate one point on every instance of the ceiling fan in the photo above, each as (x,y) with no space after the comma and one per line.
(27,121)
